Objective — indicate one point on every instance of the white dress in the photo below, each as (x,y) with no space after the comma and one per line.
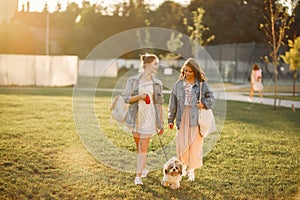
(145,119)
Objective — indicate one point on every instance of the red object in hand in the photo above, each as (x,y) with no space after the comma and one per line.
(147,99)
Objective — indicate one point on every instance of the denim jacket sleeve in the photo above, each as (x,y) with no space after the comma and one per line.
(130,89)
(157,91)
(207,97)
(172,108)
(174,111)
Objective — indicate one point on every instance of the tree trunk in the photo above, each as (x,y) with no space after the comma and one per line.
(275,84)
(294,84)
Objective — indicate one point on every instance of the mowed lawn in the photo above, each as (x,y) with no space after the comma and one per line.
(42,156)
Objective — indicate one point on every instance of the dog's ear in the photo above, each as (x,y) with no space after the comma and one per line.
(166,171)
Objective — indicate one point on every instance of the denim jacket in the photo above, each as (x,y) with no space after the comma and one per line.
(131,89)
(177,99)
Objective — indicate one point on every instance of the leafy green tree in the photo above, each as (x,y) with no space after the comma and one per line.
(144,41)
(197,29)
(292,57)
(231,21)
(173,45)
(296,12)
(169,15)
(276,23)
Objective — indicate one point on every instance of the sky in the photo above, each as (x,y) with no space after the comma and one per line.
(38,5)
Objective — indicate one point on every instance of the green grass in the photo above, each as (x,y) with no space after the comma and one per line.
(42,157)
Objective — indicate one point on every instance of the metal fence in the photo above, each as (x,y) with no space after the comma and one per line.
(234,61)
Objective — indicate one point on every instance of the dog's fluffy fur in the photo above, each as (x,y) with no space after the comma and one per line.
(172,173)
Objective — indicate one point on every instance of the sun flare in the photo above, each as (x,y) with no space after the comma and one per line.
(38,5)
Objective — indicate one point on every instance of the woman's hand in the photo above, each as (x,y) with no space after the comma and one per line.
(200,105)
(142,97)
(171,125)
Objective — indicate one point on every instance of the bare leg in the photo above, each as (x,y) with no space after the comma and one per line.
(260,94)
(251,91)
(142,148)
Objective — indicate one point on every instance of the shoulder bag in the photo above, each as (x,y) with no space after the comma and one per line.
(206,119)
(119,109)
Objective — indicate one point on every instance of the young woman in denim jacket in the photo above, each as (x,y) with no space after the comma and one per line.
(144,119)
(184,106)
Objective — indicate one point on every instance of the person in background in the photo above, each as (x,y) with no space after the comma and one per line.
(256,83)
(184,106)
(143,92)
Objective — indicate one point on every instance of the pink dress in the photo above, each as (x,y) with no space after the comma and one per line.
(189,141)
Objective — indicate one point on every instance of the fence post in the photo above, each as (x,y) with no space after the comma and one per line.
(220,60)
(236,61)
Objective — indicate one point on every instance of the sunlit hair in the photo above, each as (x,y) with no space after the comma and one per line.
(147,58)
(193,64)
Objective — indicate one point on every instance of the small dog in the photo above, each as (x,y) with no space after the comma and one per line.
(172,173)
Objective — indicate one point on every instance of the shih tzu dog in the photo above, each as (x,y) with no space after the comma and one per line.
(172,173)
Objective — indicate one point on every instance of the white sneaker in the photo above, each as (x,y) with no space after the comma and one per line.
(138,181)
(184,171)
(249,99)
(191,175)
(145,173)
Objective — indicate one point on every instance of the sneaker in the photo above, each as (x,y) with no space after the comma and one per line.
(191,175)
(138,181)
(249,99)
(145,173)
(184,171)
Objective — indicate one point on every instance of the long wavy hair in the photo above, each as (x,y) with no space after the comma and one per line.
(194,65)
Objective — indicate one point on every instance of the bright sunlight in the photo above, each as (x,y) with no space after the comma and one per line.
(38,5)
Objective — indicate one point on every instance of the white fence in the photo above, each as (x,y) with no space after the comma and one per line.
(38,70)
(42,70)
(97,68)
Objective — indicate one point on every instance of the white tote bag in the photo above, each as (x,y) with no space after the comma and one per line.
(206,119)
(119,109)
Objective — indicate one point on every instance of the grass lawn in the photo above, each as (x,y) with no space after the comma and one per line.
(42,156)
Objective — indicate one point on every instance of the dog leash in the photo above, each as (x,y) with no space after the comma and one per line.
(162,147)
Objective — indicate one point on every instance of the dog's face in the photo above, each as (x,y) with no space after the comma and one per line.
(174,168)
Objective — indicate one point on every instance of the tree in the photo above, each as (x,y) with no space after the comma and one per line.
(297,19)
(292,58)
(231,21)
(196,30)
(169,15)
(173,44)
(277,22)
(145,42)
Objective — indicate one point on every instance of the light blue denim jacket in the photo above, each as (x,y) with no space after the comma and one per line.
(177,99)
(131,89)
